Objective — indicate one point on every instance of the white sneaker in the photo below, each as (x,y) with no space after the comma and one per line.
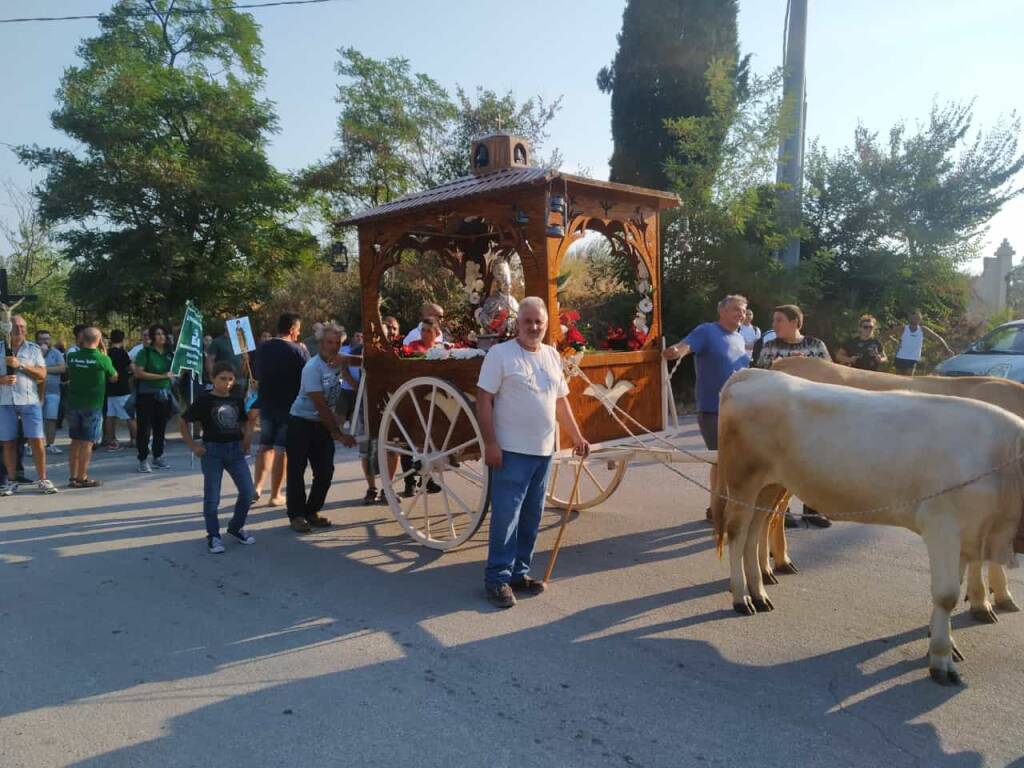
(144,467)
(45,486)
(8,489)
(242,536)
(159,463)
(53,450)
(215,545)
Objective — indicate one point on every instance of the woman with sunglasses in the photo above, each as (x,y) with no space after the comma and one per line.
(863,350)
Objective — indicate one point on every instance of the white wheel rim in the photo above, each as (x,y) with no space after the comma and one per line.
(448,518)
(598,481)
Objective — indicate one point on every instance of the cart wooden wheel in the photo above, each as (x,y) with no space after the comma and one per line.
(599,480)
(439,490)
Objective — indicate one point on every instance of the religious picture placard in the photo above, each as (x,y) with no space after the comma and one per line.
(240,333)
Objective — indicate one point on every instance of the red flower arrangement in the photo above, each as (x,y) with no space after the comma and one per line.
(618,338)
(572,337)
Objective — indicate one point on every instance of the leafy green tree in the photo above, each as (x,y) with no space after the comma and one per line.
(896,219)
(400,131)
(33,261)
(171,196)
(390,135)
(660,74)
(488,112)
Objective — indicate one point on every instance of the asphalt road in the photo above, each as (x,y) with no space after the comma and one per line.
(123,643)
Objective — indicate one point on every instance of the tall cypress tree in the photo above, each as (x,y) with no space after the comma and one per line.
(659,73)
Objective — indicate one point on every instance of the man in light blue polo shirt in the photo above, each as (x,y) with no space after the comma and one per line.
(19,402)
(719,350)
(312,431)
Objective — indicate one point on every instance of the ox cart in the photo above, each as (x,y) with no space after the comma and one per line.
(420,411)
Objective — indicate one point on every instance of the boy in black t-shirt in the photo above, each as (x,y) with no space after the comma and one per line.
(227,434)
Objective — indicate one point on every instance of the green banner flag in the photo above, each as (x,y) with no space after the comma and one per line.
(188,355)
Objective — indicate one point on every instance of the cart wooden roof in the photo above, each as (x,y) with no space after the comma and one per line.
(505,180)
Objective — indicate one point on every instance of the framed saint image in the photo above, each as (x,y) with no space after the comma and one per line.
(240,333)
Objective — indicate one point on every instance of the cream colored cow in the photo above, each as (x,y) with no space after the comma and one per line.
(778,430)
(1006,394)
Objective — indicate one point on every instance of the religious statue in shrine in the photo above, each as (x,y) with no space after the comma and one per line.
(497,315)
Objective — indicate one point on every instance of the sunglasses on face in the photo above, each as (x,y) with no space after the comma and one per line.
(868,326)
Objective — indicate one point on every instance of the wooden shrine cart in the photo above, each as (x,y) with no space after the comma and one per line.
(421,411)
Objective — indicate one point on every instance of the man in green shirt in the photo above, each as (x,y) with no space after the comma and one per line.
(89,370)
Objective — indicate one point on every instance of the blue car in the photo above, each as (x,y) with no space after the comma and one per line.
(998,353)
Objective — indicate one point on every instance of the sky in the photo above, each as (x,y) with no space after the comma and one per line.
(873,62)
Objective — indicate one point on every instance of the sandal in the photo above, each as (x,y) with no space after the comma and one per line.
(74,482)
(88,482)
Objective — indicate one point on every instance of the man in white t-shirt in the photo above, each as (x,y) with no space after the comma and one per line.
(521,393)
(911,342)
(750,332)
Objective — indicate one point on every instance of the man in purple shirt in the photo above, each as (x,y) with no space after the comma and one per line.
(719,350)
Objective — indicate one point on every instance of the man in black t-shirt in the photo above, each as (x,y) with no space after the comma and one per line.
(279,364)
(118,392)
(863,351)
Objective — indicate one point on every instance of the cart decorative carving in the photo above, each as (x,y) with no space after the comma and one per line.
(421,411)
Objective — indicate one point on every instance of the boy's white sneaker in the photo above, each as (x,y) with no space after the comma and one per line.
(242,536)
(215,545)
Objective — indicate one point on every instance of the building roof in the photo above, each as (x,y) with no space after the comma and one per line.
(499,181)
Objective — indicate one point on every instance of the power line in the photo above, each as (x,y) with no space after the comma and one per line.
(171,12)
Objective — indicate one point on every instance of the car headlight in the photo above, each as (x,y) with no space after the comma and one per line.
(1001,371)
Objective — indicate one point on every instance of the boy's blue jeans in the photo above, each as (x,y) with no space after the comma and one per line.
(517,501)
(218,458)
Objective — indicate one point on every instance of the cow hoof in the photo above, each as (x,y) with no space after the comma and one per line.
(945,677)
(787,568)
(763,606)
(1008,605)
(745,608)
(985,615)
(768,577)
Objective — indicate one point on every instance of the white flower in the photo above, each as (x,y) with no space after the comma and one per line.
(645,305)
(641,270)
(478,285)
(437,353)
(474,297)
(466,354)
(643,286)
(565,329)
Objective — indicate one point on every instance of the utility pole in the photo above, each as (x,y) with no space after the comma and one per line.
(790,172)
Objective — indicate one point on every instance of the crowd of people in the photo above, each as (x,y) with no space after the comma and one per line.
(302,393)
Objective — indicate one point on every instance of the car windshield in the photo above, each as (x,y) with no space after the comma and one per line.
(1006,340)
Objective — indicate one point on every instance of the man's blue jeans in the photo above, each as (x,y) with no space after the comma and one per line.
(517,501)
(218,458)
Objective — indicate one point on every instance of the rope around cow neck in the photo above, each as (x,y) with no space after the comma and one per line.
(573,370)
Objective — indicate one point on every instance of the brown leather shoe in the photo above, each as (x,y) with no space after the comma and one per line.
(528,585)
(300,525)
(319,522)
(500,595)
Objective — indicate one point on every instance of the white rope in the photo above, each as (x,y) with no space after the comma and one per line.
(573,369)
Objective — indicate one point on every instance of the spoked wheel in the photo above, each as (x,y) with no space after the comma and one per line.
(598,481)
(439,491)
